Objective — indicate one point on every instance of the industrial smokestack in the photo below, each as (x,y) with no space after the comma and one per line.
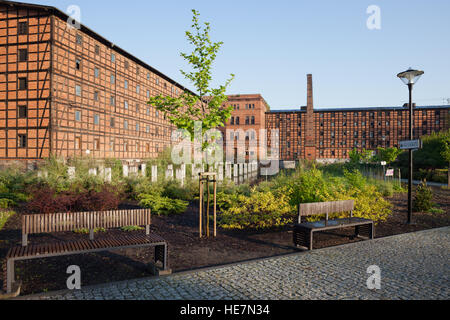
(310,102)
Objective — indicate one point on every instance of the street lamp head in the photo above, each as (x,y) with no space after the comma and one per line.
(410,76)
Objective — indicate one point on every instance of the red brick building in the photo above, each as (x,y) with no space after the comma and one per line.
(71,92)
(243,130)
(332,133)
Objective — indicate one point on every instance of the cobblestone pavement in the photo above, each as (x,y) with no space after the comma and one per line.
(413,266)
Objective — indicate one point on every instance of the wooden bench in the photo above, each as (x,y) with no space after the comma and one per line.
(67,222)
(304,232)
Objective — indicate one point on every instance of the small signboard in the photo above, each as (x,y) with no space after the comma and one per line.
(410,145)
(390,173)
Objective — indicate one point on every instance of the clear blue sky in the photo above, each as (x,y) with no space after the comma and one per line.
(271,45)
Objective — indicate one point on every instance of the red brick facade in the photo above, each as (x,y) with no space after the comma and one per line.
(71,92)
(333,133)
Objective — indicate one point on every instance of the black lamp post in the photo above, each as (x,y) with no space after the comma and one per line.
(410,78)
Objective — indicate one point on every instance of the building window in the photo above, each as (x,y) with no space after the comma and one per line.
(253,120)
(125,124)
(23,83)
(126,84)
(113,57)
(78,90)
(237,120)
(77,143)
(23,28)
(247,120)
(22,141)
(137,108)
(96,144)
(79,39)
(112,122)
(23,55)
(96,119)
(148,93)
(125,104)
(125,146)
(112,101)
(96,95)
(148,76)
(111,146)
(148,111)
(147,129)
(137,127)
(78,64)
(126,64)
(138,89)
(77,115)
(96,72)
(232,121)
(22,112)
(113,79)
(97,49)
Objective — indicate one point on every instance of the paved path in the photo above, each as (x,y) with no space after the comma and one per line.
(432,184)
(413,266)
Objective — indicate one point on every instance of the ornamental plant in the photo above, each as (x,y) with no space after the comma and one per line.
(206,104)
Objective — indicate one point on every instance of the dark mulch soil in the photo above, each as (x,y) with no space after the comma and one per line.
(187,251)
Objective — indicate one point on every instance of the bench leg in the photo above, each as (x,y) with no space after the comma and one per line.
(311,240)
(9,275)
(365,231)
(161,255)
(301,238)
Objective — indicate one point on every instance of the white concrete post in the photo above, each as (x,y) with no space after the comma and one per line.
(107,173)
(154,173)
(144,170)
(125,170)
(71,172)
(93,172)
(220,173)
(228,170)
(169,172)
(235,170)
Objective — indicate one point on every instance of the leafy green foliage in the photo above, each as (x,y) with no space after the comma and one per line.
(206,107)
(423,200)
(132,228)
(162,205)
(260,210)
(433,155)
(4,217)
(389,155)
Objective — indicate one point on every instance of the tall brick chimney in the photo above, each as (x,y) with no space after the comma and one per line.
(310,143)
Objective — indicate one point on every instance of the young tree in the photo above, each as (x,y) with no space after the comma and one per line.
(206,105)
(389,155)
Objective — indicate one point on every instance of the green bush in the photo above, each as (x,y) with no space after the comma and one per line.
(162,205)
(423,198)
(4,217)
(257,211)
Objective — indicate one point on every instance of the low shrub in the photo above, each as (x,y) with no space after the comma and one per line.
(132,228)
(173,189)
(47,200)
(162,205)
(4,217)
(260,210)
(423,198)
(436,211)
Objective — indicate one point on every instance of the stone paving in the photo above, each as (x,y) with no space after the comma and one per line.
(413,266)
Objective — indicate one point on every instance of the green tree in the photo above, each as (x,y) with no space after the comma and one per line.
(206,105)
(389,155)
(445,153)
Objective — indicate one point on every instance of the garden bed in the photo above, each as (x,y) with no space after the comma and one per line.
(187,251)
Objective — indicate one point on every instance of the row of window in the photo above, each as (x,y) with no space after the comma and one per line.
(112,123)
(248,120)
